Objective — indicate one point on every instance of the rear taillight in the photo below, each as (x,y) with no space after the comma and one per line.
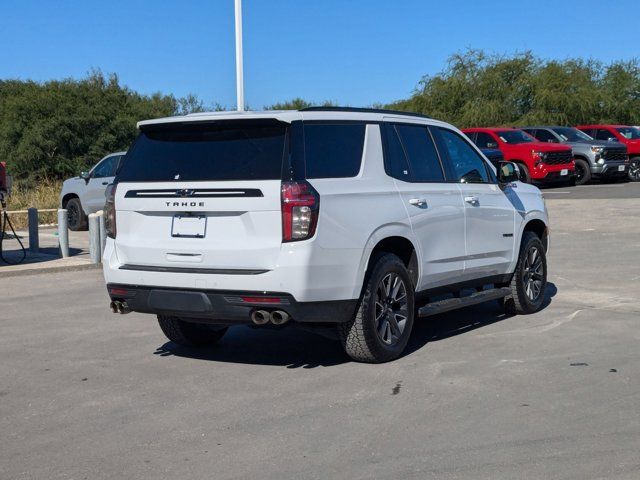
(300,206)
(110,211)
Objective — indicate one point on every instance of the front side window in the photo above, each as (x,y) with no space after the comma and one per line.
(569,134)
(420,152)
(106,168)
(466,162)
(333,150)
(630,133)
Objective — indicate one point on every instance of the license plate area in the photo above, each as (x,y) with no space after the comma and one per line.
(621,168)
(185,225)
(564,171)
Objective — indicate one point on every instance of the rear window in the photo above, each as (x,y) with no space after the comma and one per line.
(333,150)
(206,151)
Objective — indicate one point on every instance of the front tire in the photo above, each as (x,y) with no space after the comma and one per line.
(583,172)
(382,325)
(529,281)
(189,334)
(76,218)
(634,169)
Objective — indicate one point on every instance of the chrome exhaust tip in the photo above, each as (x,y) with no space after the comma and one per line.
(279,317)
(119,307)
(260,317)
(124,308)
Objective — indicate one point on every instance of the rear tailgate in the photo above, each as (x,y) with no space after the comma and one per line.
(202,196)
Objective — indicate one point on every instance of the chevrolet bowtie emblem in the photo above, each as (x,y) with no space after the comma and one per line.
(185,192)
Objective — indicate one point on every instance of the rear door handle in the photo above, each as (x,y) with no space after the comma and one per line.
(105,183)
(473,200)
(418,202)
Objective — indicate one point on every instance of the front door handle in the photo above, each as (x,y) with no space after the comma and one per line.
(105,183)
(473,200)
(418,202)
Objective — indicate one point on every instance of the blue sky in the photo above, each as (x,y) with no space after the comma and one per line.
(352,52)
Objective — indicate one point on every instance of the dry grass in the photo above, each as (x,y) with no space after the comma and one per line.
(44,195)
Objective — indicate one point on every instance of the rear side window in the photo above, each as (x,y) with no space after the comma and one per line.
(410,147)
(545,136)
(333,150)
(231,150)
(603,134)
(484,140)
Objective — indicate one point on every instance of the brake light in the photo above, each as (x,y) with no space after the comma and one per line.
(110,211)
(300,206)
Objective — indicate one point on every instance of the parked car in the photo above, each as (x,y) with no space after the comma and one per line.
(84,194)
(593,158)
(336,217)
(538,161)
(629,136)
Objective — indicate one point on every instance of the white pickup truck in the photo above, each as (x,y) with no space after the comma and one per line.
(84,194)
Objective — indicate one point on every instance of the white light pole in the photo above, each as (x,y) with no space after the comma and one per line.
(239,73)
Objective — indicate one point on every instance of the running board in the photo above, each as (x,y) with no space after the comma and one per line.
(449,304)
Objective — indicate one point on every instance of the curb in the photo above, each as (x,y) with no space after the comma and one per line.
(61,268)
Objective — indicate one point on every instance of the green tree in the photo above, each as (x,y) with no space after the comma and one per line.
(476,89)
(55,129)
(298,104)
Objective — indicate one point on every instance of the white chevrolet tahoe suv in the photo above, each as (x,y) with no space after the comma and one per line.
(356,219)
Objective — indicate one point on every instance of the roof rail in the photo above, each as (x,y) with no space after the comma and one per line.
(361,110)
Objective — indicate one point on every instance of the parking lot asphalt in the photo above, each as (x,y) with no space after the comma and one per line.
(88,394)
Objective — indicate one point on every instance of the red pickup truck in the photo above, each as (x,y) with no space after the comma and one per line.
(538,161)
(625,134)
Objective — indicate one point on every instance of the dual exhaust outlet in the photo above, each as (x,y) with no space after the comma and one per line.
(258,317)
(119,307)
(262,317)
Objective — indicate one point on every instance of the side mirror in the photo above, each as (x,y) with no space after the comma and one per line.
(508,172)
(492,145)
(85,176)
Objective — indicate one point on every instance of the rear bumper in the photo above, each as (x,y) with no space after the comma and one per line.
(225,307)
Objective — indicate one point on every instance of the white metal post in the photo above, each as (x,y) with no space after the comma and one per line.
(239,72)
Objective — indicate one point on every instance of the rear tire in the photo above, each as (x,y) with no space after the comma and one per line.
(382,325)
(529,281)
(76,218)
(583,172)
(634,169)
(189,334)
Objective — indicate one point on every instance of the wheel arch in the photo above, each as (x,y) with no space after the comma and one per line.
(67,197)
(540,228)
(395,239)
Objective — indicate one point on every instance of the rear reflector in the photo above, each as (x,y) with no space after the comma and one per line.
(121,292)
(257,300)
(261,299)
